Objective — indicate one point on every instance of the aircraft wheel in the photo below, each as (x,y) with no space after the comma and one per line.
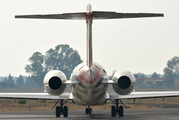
(113,111)
(65,114)
(121,111)
(58,111)
(86,111)
(90,111)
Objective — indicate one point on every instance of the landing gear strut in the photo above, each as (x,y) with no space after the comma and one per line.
(117,109)
(61,110)
(88,110)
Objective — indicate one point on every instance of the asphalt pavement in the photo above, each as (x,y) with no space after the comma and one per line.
(129,114)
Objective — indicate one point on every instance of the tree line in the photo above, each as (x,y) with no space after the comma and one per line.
(171,73)
(65,58)
(21,81)
(62,57)
(142,75)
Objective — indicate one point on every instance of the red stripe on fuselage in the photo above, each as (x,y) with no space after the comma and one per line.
(89,76)
(89,16)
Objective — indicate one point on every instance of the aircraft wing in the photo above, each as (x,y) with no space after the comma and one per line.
(39,96)
(34,96)
(143,95)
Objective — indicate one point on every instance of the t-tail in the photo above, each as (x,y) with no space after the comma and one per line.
(89,16)
(89,36)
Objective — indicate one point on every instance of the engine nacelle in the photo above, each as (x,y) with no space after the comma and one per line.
(53,82)
(124,82)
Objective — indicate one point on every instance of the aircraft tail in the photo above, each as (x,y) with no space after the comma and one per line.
(89,16)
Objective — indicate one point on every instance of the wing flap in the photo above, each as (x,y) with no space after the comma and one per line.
(143,95)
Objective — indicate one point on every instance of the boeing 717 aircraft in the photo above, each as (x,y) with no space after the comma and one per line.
(89,80)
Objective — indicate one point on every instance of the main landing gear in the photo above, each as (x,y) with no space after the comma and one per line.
(117,109)
(60,110)
(88,111)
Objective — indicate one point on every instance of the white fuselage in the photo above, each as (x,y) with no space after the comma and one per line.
(89,90)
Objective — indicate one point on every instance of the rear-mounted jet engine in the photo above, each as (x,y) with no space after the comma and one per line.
(53,82)
(124,82)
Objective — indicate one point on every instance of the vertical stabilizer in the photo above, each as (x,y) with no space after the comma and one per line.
(89,36)
(89,16)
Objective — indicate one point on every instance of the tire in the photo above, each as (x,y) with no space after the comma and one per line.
(65,113)
(121,111)
(90,111)
(57,111)
(113,111)
(86,111)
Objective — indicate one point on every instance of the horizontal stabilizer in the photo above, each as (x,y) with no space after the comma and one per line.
(114,15)
(56,16)
(95,15)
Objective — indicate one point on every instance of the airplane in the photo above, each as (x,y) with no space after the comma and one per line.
(89,80)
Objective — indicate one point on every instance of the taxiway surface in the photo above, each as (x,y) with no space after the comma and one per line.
(129,114)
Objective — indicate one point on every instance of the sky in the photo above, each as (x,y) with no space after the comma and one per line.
(137,45)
